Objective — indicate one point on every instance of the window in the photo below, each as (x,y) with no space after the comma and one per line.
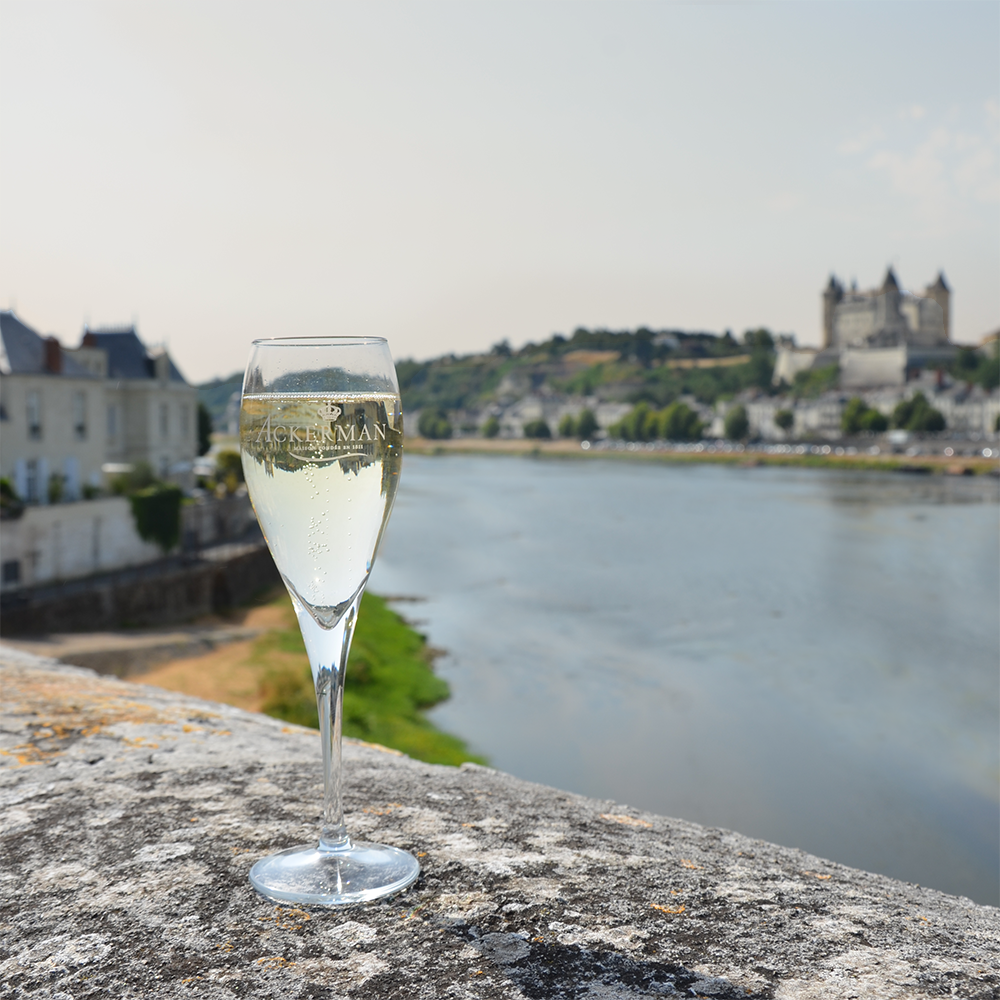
(164,420)
(11,572)
(112,422)
(31,493)
(80,415)
(34,408)
(185,422)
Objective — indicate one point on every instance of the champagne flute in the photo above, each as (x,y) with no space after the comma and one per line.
(321,436)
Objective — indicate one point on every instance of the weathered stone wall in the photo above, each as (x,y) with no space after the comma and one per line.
(132,816)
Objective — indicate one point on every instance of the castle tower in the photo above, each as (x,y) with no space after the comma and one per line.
(941,294)
(832,294)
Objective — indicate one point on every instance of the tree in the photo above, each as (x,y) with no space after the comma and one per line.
(567,426)
(785,419)
(678,422)
(917,414)
(850,419)
(537,429)
(204,429)
(434,423)
(586,425)
(858,416)
(874,421)
(639,424)
(758,340)
(737,424)
(229,470)
(491,428)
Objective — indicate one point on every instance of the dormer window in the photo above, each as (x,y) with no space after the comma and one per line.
(34,414)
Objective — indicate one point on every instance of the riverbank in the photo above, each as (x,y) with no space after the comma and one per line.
(390,678)
(806,456)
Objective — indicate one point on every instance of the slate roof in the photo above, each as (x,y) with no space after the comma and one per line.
(127,355)
(23,351)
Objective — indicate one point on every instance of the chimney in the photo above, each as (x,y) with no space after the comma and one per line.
(89,340)
(53,355)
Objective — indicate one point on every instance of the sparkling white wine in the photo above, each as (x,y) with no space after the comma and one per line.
(322,474)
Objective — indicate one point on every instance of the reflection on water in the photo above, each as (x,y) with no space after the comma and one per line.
(806,656)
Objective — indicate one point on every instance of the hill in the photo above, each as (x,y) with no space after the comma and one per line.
(611,366)
(614,366)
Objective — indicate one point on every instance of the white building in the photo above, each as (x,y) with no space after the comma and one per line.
(66,414)
(52,428)
(151,411)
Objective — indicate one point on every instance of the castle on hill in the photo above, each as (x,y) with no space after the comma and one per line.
(886,316)
(879,337)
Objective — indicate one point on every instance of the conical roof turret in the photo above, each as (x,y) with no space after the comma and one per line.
(890,284)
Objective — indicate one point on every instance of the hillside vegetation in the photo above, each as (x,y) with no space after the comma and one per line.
(625,366)
(643,365)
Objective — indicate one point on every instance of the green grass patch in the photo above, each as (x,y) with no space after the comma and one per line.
(390,683)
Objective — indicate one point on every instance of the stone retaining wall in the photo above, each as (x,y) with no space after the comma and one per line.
(132,816)
(173,590)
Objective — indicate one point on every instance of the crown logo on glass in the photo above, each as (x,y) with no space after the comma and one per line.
(330,411)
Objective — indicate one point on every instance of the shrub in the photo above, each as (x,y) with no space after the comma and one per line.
(537,429)
(433,423)
(737,424)
(11,505)
(785,419)
(157,513)
(492,427)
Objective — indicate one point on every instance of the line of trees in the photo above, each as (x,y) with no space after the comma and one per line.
(676,422)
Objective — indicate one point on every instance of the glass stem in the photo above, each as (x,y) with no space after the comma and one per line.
(328,649)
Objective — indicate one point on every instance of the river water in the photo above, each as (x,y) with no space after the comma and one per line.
(806,656)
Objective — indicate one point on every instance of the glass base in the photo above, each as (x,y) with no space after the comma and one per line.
(356,873)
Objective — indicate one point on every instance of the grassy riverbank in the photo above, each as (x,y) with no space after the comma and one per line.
(390,683)
(390,679)
(564,448)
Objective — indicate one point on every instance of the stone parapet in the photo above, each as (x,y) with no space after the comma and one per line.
(132,816)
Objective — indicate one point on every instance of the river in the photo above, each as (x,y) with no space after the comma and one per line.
(807,656)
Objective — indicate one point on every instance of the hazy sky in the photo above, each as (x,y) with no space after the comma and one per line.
(450,174)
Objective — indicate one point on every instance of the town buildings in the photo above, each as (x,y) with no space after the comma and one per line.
(69,418)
